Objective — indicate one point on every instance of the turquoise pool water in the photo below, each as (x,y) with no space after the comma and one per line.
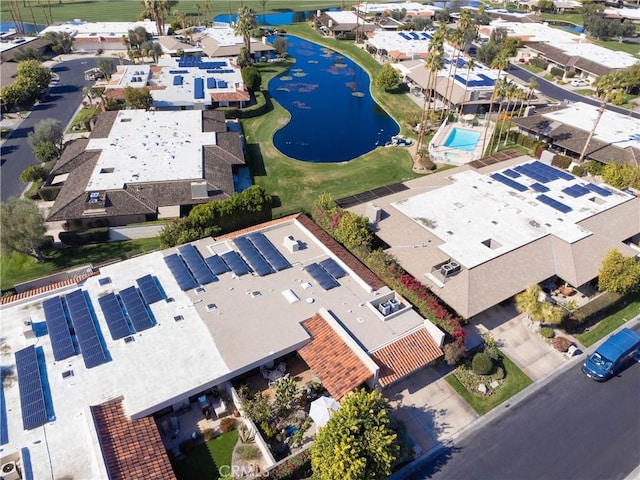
(462,139)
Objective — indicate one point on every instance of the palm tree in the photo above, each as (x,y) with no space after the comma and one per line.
(503,89)
(457,41)
(532,86)
(500,63)
(245,24)
(434,64)
(126,42)
(156,10)
(469,65)
(518,95)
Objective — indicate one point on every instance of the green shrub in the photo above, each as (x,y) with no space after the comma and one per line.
(547,332)
(539,63)
(556,72)
(481,364)
(94,235)
(570,74)
(561,161)
(578,170)
(499,375)
(247,452)
(227,424)
(209,434)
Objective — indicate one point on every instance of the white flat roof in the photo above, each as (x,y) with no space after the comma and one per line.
(344,17)
(479,218)
(135,76)
(410,7)
(614,128)
(150,146)
(18,42)
(107,29)
(223,34)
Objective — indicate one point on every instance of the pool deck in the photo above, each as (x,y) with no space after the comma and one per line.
(440,153)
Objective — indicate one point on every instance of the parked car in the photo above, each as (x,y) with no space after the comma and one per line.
(613,355)
(578,82)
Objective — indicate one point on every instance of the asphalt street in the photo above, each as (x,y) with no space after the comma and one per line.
(570,428)
(64,99)
(552,90)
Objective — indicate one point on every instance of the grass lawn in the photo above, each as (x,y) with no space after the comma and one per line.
(610,323)
(4,132)
(515,380)
(82,116)
(531,68)
(18,268)
(207,458)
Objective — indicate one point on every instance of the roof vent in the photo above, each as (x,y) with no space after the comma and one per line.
(178,318)
(199,190)
(129,339)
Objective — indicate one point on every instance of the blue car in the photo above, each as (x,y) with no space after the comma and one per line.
(612,356)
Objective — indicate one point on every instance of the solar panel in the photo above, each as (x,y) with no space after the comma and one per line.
(269,251)
(136,309)
(58,328)
(32,404)
(326,281)
(216,265)
(332,268)
(149,289)
(575,191)
(253,257)
(509,182)
(113,314)
(196,264)
(596,189)
(554,203)
(538,187)
(511,173)
(235,262)
(86,331)
(180,272)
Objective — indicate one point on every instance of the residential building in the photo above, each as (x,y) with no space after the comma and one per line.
(478,234)
(155,334)
(145,165)
(344,24)
(412,9)
(12,45)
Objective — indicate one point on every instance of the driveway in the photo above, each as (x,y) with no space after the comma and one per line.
(63,101)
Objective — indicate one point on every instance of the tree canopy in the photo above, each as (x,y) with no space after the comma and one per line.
(22,228)
(357,443)
(619,274)
(31,79)
(48,131)
(388,77)
(138,98)
(105,65)
(245,24)
(252,78)
(538,310)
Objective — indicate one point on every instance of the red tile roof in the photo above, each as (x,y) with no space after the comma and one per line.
(405,355)
(240,95)
(132,449)
(338,367)
(46,288)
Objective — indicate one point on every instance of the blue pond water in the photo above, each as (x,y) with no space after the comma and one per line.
(283,18)
(29,27)
(333,117)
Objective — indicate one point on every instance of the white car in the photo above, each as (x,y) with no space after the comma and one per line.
(579,83)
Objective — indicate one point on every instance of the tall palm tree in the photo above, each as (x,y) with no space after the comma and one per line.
(457,41)
(434,64)
(470,65)
(518,95)
(532,86)
(503,91)
(245,24)
(500,63)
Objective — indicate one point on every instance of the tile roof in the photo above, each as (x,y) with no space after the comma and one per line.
(132,449)
(331,359)
(46,288)
(405,355)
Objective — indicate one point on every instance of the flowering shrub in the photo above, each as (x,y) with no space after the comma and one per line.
(293,467)
(561,344)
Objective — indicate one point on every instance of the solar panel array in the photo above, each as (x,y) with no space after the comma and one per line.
(415,35)
(180,272)
(576,191)
(256,261)
(136,309)
(332,268)
(595,188)
(269,251)
(509,182)
(32,404)
(149,289)
(479,80)
(320,275)
(216,265)
(538,187)
(198,88)
(113,314)
(85,328)
(541,172)
(58,329)
(561,207)
(235,262)
(196,264)
(511,173)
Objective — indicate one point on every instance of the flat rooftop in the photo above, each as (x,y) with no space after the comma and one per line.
(414,8)
(106,29)
(478,217)
(615,128)
(150,146)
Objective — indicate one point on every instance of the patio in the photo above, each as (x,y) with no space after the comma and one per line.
(295,367)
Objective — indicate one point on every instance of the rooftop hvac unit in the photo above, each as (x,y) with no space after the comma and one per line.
(384,308)
(395,305)
(449,269)
(10,471)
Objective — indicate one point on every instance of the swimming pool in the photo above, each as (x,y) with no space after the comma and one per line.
(462,139)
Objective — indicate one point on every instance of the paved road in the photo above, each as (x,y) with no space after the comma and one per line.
(571,428)
(62,104)
(552,90)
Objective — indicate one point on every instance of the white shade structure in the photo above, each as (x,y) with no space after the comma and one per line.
(322,409)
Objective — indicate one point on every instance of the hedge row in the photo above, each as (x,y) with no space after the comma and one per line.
(94,235)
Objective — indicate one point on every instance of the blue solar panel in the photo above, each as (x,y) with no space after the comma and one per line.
(332,268)
(508,182)
(198,88)
(426,36)
(136,309)
(404,35)
(554,203)
(326,281)
(149,289)
(85,327)
(180,272)
(414,36)
(177,80)
(222,84)
(511,173)
(113,314)
(253,257)
(196,264)
(235,262)
(211,83)
(216,265)
(538,187)
(596,189)
(58,328)
(269,251)
(32,404)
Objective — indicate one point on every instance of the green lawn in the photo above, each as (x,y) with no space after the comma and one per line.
(18,268)
(515,381)
(4,132)
(82,116)
(610,323)
(205,460)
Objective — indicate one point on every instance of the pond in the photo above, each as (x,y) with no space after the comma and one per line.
(28,27)
(333,116)
(273,19)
